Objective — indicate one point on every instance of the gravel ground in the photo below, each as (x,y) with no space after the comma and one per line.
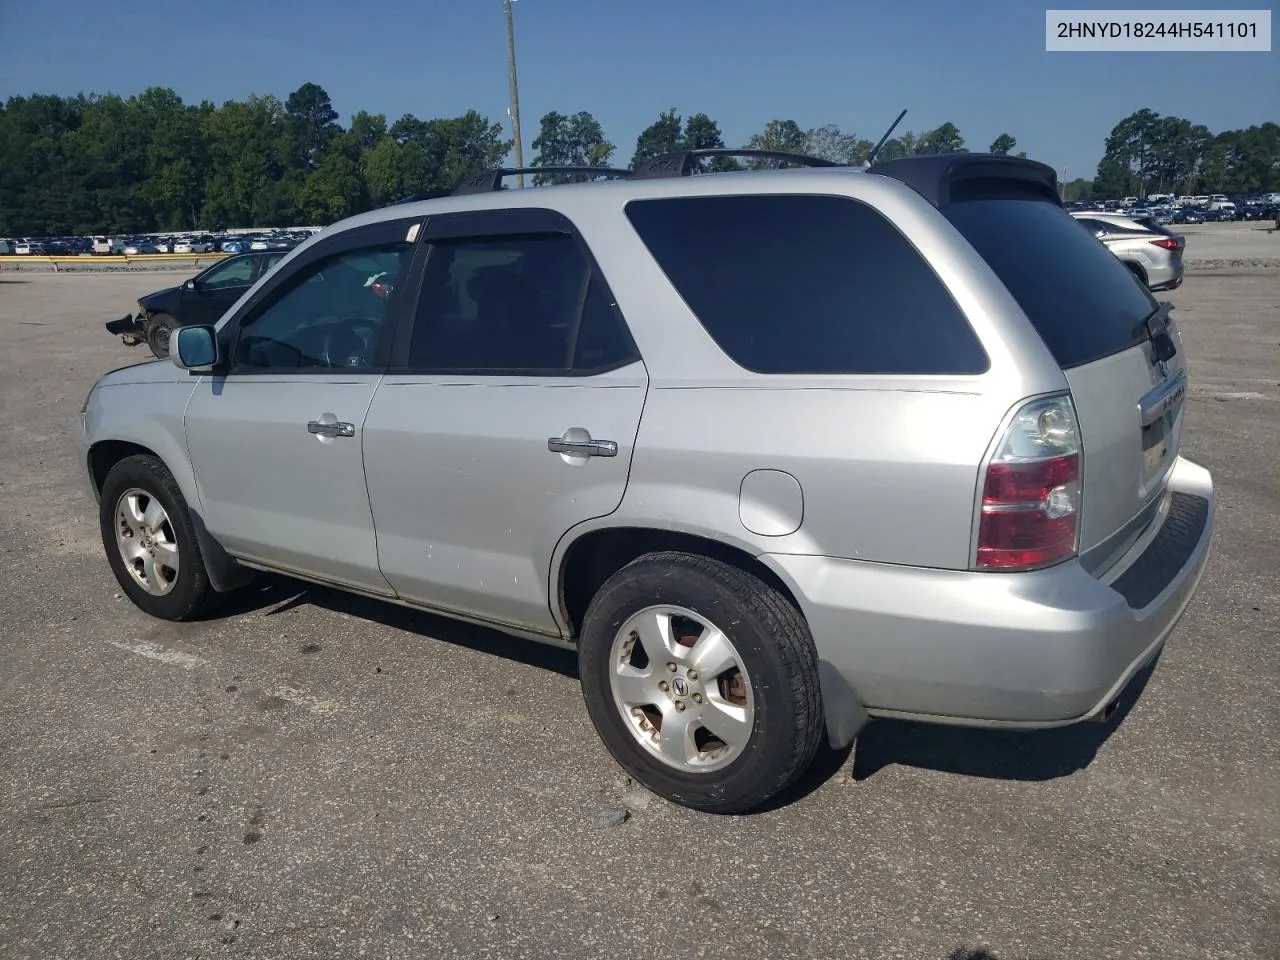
(310,775)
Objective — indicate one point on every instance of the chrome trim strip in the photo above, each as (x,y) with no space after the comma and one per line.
(1162,399)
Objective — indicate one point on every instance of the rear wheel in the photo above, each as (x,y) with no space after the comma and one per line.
(702,681)
(1138,272)
(159,328)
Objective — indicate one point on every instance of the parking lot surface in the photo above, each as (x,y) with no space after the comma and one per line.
(306,774)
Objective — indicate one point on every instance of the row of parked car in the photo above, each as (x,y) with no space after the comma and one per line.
(1189,210)
(142,245)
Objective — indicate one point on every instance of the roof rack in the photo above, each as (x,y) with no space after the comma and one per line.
(682,163)
(487,181)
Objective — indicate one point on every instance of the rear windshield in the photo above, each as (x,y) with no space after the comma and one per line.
(1084,302)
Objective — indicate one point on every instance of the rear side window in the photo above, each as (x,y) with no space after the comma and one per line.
(807,284)
(529,303)
(1082,300)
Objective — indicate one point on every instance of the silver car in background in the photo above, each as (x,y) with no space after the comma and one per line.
(1151,251)
(774,451)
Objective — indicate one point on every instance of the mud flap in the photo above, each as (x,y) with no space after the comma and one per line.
(844,713)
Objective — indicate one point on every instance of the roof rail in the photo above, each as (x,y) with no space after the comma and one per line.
(417,197)
(682,163)
(487,181)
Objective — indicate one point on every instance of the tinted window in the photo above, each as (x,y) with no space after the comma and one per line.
(515,303)
(329,315)
(1083,301)
(800,284)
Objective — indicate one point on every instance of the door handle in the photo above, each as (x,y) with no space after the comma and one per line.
(338,429)
(583,448)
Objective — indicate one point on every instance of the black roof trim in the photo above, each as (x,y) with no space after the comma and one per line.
(487,181)
(947,178)
(682,163)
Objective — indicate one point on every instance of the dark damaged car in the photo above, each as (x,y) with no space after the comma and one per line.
(202,299)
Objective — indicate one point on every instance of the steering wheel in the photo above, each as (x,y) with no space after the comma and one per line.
(349,343)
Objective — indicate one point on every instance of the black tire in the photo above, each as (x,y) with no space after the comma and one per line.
(191,593)
(1138,272)
(775,646)
(159,328)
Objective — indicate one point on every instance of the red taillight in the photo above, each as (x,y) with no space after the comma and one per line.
(1023,520)
(1169,243)
(1031,492)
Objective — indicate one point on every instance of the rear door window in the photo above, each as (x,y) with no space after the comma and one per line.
(807,284)
(1082,300)
(530,303)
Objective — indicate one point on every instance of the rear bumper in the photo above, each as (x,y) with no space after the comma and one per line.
(1166,275)
(1029,650)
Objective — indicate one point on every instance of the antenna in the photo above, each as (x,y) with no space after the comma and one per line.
(876,149)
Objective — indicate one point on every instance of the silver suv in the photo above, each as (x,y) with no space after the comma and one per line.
(774,451)
(1151,251)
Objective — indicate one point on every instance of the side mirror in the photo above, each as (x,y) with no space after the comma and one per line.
(190,284)
(194,349)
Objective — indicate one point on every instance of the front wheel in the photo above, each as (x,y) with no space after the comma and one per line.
(150,540)
(702,681)
(159,328)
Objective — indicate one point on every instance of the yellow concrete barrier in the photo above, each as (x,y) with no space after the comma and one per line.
(115,258)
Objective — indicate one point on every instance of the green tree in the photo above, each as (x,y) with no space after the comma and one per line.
(782,135)
(457,146)
(1003,145)
(254,171)
(368,129)
(669,134)
(829,143)
(311,120)
(944,139)
(336,188)
(175,156)
(569,141)
(664,135)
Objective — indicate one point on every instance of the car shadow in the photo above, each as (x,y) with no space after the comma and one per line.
(990,754)
(1033,755)
(273,594)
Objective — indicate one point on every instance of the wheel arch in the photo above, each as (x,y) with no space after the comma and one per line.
(1137,269)
(225,573)
(597,554)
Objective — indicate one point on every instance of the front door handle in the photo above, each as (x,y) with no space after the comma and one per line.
(338,429)
(583,448)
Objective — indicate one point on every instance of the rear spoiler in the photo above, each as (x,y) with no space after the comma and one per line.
(948,178)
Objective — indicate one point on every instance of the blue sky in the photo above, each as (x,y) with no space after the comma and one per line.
(978,63)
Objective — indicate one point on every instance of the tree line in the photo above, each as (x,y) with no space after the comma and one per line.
(92,164)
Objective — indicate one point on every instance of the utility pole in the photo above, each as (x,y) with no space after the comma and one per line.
(515,90)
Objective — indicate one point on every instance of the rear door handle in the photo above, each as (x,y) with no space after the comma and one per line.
(583,448)
(338,429)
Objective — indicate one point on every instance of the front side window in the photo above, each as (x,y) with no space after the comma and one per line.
(519,303)
(230,273)
(330,315)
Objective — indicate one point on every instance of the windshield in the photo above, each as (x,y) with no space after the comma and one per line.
(1083,302)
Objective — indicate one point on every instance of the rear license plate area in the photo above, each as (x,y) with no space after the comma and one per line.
(1157,439)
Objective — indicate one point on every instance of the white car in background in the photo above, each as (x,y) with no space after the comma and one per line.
(191,245)
(107,246)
